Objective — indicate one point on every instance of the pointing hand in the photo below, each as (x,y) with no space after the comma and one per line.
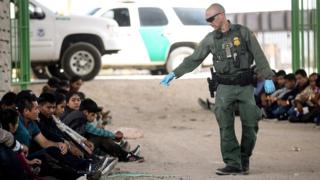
(166,80)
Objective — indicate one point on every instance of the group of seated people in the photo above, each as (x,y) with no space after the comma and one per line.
(297,97)
(57,134)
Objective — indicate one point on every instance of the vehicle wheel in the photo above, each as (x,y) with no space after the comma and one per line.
(158,72)
(177,56)
(81,59)
(56,71)
(39,71)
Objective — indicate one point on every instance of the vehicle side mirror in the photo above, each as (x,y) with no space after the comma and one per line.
(37,14)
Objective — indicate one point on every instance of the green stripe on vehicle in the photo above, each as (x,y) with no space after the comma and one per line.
(156,44)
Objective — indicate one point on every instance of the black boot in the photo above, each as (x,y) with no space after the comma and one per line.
(245,167)
(228,170)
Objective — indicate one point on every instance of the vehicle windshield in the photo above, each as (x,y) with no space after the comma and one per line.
(191,16)
(93,11)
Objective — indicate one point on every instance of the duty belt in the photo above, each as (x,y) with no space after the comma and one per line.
(243,79)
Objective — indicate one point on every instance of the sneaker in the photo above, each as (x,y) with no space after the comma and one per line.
(136,151)
(111,163)
(94,170)
(99,164)
(131,158)
(228,170)
(283,117)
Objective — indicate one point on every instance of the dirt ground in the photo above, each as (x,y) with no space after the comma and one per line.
(181,140)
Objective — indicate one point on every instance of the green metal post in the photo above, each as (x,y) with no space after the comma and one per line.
(308,29)
(317,36)
(295,35)
(23,45)
(301,13)
(314,29)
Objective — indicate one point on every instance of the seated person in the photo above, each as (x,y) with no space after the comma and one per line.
(280,79)
(52,85)
(80,121)
(9,122)
(60,104)
(47,125)
(64,85)
(29,133)
(8,101)
(77,138)
(316,101)
(303,107)
(279,110)
(10,165)
(75,84)
(73,101)
(301,79)
(280,86)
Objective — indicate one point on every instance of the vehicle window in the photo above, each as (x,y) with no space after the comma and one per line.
(191,16)
(121,15)
(152,17)
(93,11)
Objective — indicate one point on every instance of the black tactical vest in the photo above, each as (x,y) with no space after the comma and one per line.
(231,55)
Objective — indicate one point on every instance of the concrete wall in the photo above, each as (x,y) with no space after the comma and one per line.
(5,57)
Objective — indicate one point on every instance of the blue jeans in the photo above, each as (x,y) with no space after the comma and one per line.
(69,164)
(67,159)
(280,110)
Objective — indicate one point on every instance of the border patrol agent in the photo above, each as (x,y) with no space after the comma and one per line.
(234,48)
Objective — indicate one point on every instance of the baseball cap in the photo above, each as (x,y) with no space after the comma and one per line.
(89,105)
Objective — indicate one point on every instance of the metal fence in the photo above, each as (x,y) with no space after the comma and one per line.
(306,35)
(277,47)
(290,39)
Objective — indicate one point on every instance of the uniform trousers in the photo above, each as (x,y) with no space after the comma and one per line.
(228,97)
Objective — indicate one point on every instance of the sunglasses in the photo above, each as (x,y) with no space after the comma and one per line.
(212,18)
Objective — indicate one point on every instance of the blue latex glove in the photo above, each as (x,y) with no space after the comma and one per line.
(165,81)
(269,86)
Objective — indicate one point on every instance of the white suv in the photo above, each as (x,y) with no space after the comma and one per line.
(155,35)
(72,43)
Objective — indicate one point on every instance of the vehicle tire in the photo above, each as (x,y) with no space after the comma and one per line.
(177,56)
(81,59)
(158,72)
(39,71)
(55,70)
